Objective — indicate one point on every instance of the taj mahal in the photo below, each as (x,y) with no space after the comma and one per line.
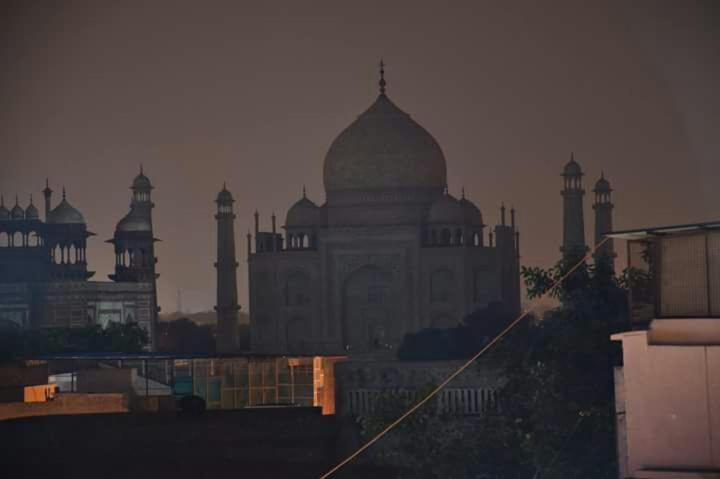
(389,252)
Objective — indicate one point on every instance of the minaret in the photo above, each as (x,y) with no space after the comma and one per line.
(382,82)
(47,193)
(603,207)
(573,246)
(134,243)
(507,244)
(227,305)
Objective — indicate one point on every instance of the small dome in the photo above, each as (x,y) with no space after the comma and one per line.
(572,168)
(224,196)
(31,212)
(4,212)
(142,182)
(602,185)
(65,213)
(446,210)
(473,216)
(303,213)
(134,221)
(384,149)
(17,213)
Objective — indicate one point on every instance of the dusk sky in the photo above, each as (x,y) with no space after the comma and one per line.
(253,94)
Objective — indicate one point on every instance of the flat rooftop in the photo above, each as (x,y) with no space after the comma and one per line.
(168,356)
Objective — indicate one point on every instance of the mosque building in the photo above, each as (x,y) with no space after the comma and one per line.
(44,277)
(391,251)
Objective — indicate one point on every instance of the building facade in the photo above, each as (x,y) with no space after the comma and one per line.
(389,252)
(668,388)
(44,277)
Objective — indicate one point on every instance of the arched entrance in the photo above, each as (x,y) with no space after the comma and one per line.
(369,306)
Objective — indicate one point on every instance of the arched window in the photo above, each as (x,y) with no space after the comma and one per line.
(18,239)
(441,286)
(297,289)
(482,284)
(458,237)
(33,239)
(305,241)
(4,240)
(72,254)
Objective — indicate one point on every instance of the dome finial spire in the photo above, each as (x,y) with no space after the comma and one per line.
(382,77)
(304,192)
(141,168)
(63,192)
(31,198)
(462,193)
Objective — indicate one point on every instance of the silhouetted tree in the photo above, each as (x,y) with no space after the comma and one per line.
(558,402)
(459,342)
(185,336)
(116,337)
(557,417)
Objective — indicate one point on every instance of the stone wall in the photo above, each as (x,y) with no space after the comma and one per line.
(359,383)
(67,404)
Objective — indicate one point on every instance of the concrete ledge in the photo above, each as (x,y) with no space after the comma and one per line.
(675,474)
(685,332)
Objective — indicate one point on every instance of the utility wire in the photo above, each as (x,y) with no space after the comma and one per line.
(462,368)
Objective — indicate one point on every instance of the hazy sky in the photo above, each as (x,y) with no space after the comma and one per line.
(253,93)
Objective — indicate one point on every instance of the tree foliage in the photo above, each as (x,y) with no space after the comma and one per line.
(559,397)
(460,342)
(185,336)
(428,444)
(557,405)
(116,337)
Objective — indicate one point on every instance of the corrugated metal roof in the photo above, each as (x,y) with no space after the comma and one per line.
(662,230)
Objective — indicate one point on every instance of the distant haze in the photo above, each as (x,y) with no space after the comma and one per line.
(254,93)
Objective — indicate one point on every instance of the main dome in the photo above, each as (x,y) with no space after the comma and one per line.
(384,149)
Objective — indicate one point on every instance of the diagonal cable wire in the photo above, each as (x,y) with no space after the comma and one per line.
(462,368)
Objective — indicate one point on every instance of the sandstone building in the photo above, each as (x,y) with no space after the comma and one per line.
(44,277)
